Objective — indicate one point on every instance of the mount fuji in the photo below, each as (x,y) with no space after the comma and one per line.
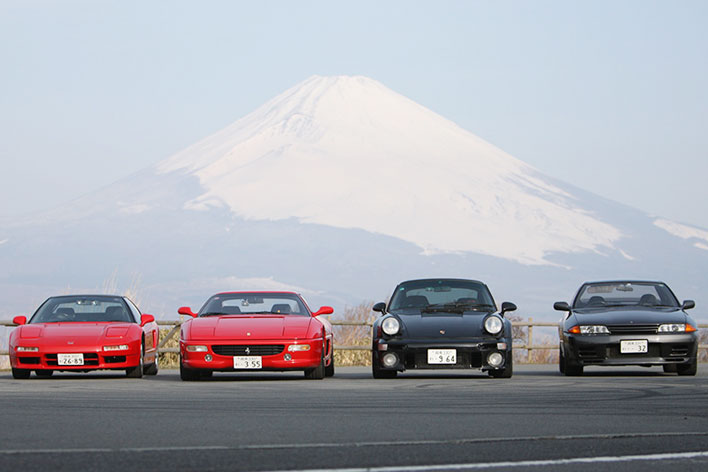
(339,188)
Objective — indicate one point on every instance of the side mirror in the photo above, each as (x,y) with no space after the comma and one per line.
(185,310)
(561,306)
(324,310)
(145,319)
(688,304)
(507,306)
(20,320)
(380,307)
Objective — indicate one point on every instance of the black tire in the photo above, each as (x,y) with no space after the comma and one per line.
(380,373)
(687,369)
(573,370)
(137,371)
(329,370)
(151,369)
(504,373)
(21,373)
(316,373)
(669,368)
(44,373)
(561,361)
(187,374)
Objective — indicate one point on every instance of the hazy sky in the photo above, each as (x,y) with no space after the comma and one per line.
(610,96)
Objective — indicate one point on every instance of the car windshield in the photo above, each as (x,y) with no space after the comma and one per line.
(260,303)
(618,294)
(83,309)
(441,295)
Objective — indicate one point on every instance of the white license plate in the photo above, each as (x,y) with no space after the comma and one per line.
(442,356)
(70,359)
(248,362)
(638,346)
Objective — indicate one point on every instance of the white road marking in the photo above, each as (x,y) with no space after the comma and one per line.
(536,463)
(353,444)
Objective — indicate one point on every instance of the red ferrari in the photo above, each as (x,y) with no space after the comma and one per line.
(252,331)
(80,333)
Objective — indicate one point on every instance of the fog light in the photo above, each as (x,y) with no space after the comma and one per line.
(390,359)
(287,357)
(495,359)
(501,346)
(208,358)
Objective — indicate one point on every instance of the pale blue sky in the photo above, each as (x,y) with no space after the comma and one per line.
(611,96)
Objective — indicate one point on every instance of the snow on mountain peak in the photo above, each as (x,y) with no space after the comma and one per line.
(350,153)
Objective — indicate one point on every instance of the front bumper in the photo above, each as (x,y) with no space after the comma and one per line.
(219,355)
(662,349)
(94,359)
(413,354)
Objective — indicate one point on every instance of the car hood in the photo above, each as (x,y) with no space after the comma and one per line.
(454,325)
(251,327)
(618,316)
(78,334)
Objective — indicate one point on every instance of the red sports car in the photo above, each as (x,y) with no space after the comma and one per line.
(80,333)
(238,331)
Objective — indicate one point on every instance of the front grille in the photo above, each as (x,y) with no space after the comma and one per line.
(28,360)
(90,358)
(114,359)
(253,349)
(679,351)
(633,328)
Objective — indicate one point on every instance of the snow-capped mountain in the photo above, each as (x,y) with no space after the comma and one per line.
(339,188)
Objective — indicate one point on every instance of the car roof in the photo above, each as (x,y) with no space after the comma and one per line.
(442,278)
(257,291)
(624,281)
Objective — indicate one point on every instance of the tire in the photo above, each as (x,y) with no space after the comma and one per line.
(187,374)
(44,373)
(21,373)
(380,373)
(151,369)
(561,361)
(687,369)
(573,370)
(316,373)
(329,370)
(669,368)
(504,373)
(137,371)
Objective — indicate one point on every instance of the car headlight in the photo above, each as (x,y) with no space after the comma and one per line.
(391,326)
(26,349)
(120,347)
(675,328)
(493,324)
(589,329)
(196,348)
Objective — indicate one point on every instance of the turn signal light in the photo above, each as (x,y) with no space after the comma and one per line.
(690,328)
(574,330)
(121,347)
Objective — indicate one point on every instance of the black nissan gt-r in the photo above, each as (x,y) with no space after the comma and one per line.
(442,324)
(627,323)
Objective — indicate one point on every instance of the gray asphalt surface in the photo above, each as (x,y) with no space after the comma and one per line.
(610,419)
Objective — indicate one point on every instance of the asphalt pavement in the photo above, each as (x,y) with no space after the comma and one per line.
(610,419)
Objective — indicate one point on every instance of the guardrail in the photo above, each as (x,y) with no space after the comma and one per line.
(528,346)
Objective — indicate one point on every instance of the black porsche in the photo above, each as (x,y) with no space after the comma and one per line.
(627,323)
(442,324)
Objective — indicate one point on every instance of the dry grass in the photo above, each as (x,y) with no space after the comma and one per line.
(354,336)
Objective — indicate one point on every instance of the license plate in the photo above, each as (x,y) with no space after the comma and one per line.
(248,362)
(442,356)
(639,346)
(70,359)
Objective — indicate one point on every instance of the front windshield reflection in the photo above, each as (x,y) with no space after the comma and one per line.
(619,294)
(442,295)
